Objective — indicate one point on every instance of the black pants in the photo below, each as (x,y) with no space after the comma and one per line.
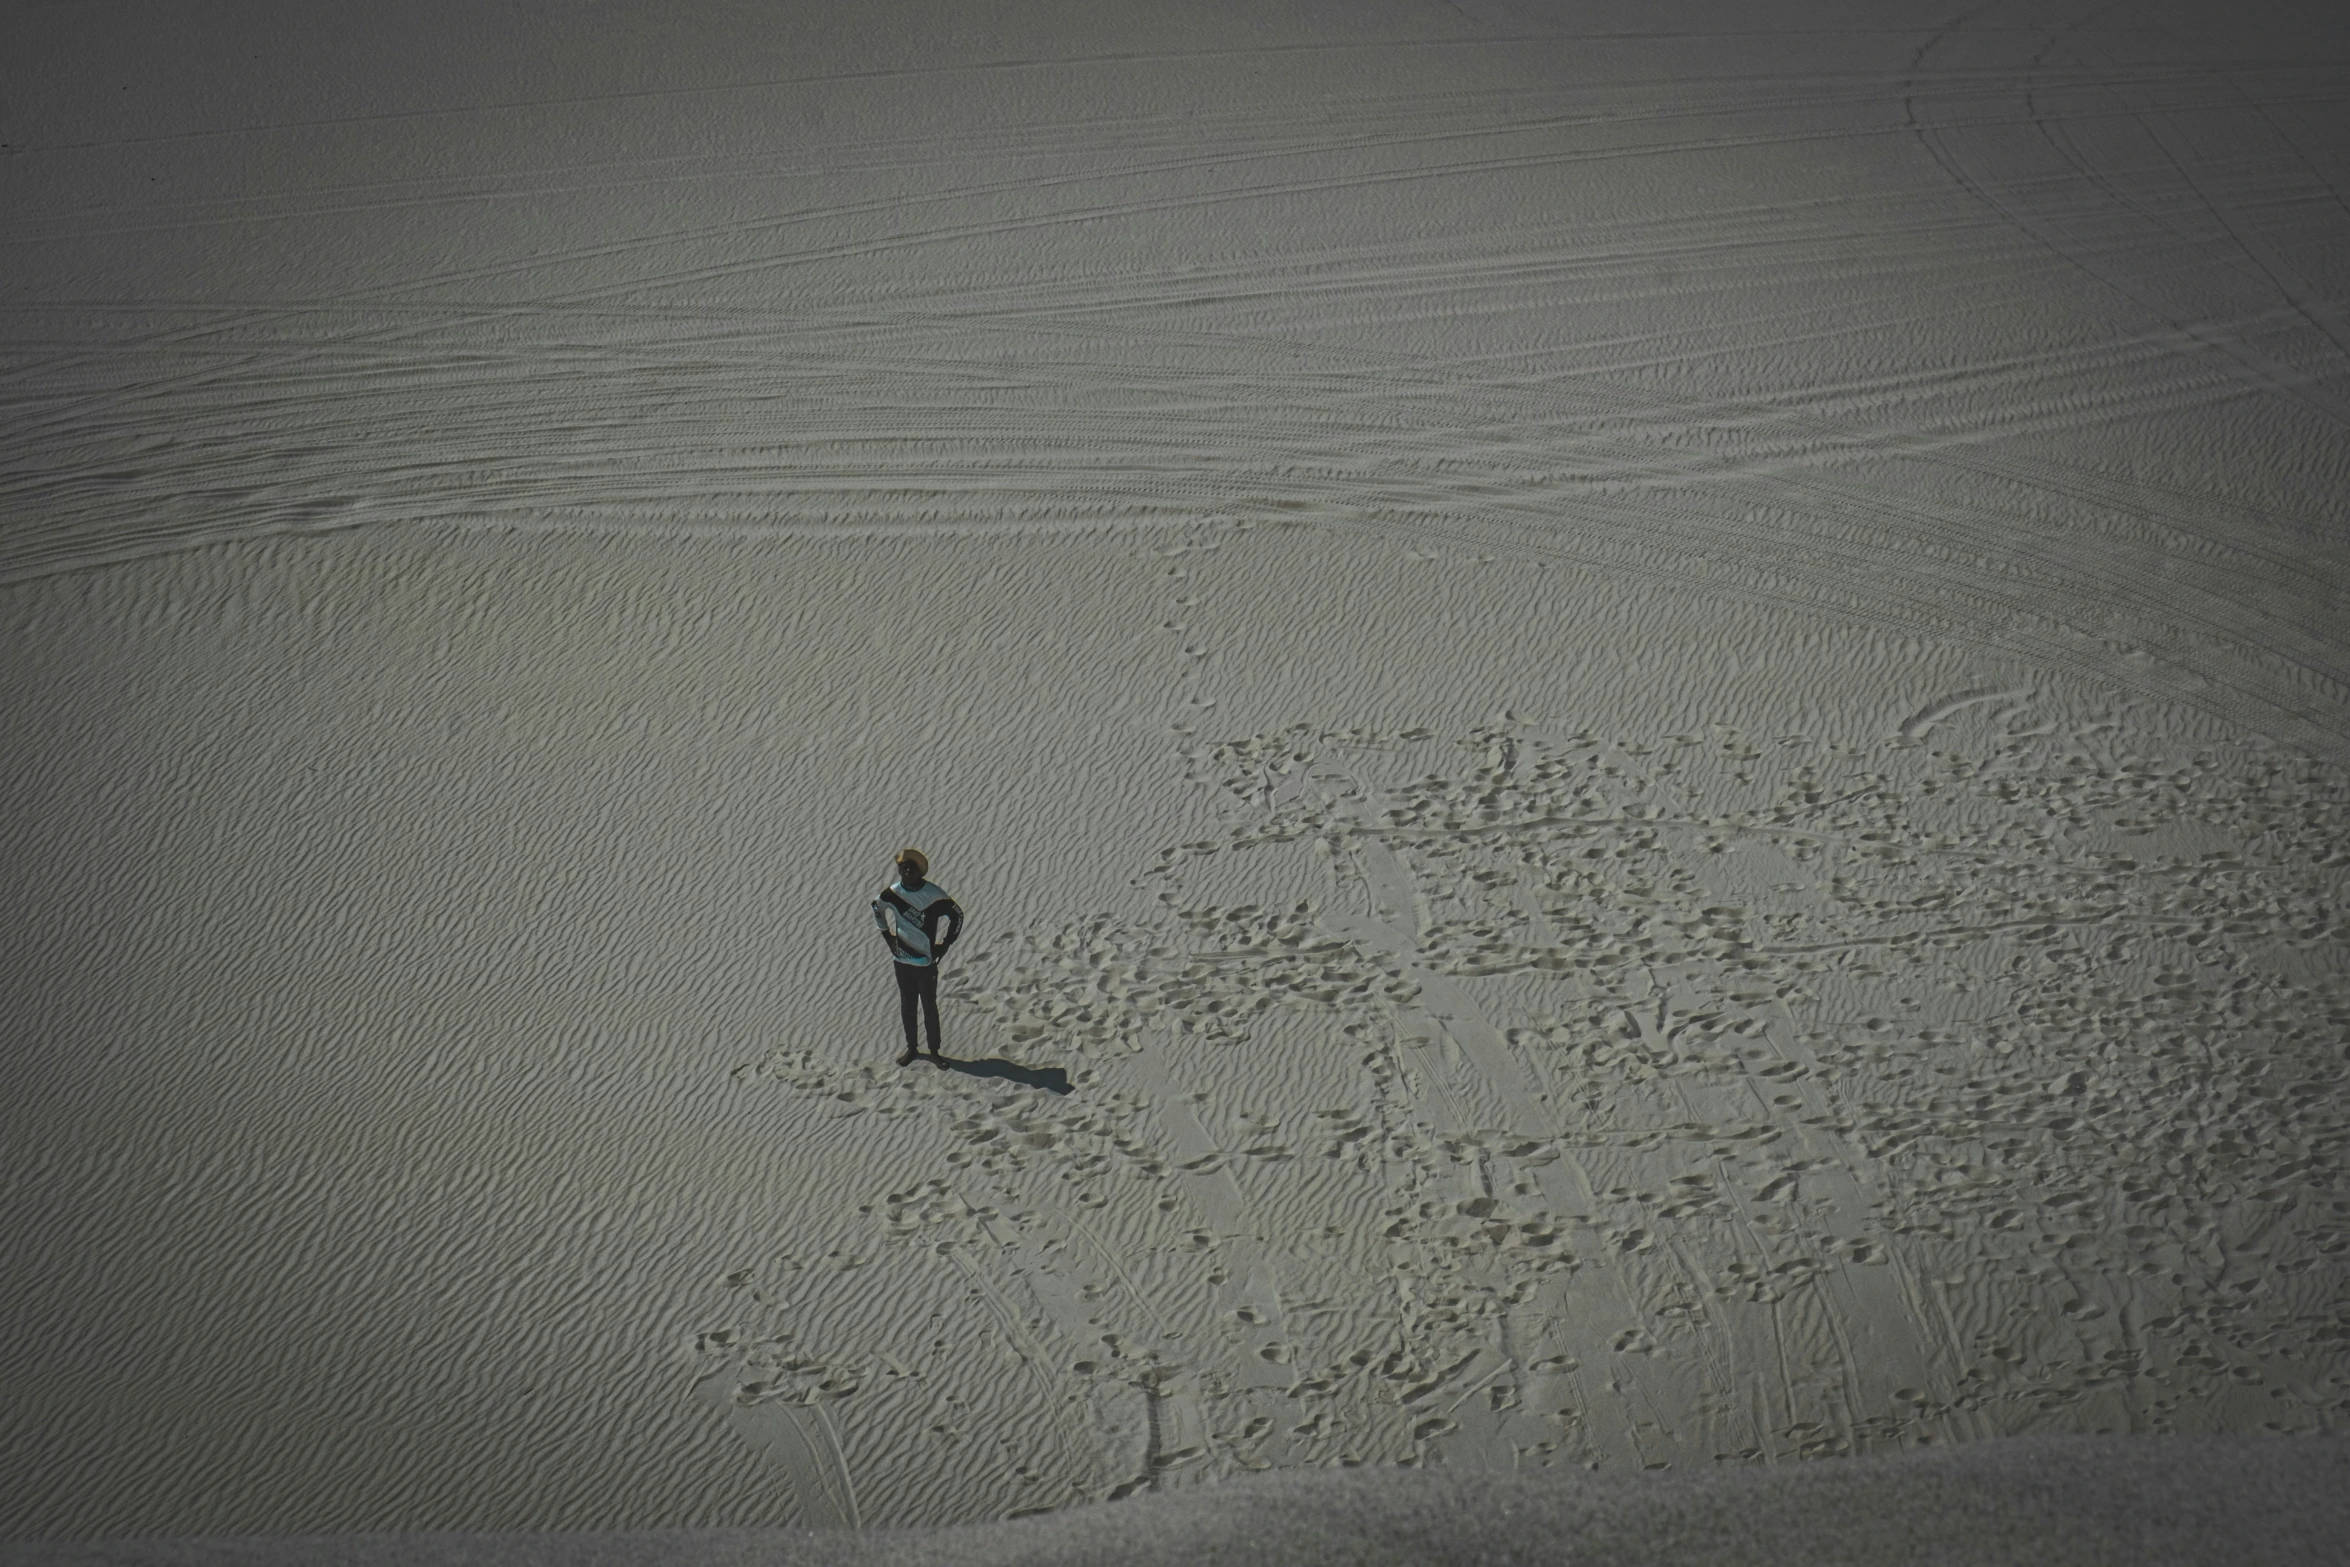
(918,982)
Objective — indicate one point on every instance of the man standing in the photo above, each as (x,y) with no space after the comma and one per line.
(909,912)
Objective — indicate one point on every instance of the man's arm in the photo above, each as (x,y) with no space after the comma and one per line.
(949,914)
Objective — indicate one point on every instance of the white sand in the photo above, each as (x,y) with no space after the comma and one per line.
(1649,702)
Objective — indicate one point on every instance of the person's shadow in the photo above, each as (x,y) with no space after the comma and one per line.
(1052,1079)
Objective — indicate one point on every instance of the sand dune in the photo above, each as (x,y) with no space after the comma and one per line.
(1643,714)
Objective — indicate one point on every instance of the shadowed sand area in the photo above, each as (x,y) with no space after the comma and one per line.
(2026,1502)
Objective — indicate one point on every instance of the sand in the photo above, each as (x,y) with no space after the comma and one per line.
(1643,712)
(2017,1502)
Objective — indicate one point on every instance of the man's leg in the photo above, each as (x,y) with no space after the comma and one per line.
(909,989)
(929,1006)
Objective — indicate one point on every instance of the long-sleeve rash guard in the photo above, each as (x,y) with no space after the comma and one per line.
(909,921)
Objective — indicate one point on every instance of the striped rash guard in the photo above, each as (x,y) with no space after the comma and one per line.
(909,921)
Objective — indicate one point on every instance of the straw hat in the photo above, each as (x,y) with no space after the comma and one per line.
(916,860)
